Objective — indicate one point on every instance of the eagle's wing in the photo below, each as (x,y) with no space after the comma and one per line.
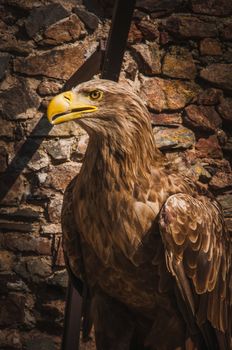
(198,255)
(71,239)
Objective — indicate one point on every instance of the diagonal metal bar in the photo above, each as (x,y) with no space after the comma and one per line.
(116,44)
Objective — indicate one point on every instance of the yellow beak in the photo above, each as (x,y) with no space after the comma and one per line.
(68,106)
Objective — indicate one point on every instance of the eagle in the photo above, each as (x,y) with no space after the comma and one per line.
(150,244)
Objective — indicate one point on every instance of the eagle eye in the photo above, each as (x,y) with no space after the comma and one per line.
(95,95)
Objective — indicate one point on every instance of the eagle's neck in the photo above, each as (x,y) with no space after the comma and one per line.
(123,159)
(115,172)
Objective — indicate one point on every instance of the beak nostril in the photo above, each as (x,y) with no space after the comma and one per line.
(67,98)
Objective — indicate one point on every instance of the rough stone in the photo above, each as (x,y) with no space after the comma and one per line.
(201,173)
(134,35)
(82,145)
(35,340)
(164,7)
(62,130)
(4,62)
(148,57)
(15,227)
(209,97)
(38,195)
(39,161)
(29,320)
(59,176)
(227,55)
(188,26)
(129,68)
(6,261)
(34,268)
(9,82)
(42,17)
(59,150)
(54,208)
(217,166)
(90,19)
(4,28)
(60,279)
(221,180)
(227,31)
(179,63)
(12,309)
(9,43)
(10,339)
(41,176)
(173,138)
(25,214)
(26,243)
(203,117)
(161,94)
(226,202)
(23,4)
(218,74)
(212,7)
(209,46)
(222,137)
(57,63)
(54,307)
(225,109)
(67,29)
(166,119)
(149,29)
(209,148)
(17,286)
(164,37)
(50,229)
(49,87)
(7,129)
(19,102)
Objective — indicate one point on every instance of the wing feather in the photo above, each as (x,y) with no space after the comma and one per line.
(198,255)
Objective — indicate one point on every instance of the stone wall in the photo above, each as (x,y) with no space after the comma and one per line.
(179,58)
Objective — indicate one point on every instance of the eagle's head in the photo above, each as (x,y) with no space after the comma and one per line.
(99,106)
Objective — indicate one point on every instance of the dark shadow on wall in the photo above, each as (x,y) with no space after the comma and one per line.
(19,162)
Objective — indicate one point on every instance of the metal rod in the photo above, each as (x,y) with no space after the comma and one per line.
(116,44)
(72,319)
